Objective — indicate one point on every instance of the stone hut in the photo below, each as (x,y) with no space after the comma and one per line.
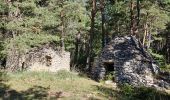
(130,62)
(43,58)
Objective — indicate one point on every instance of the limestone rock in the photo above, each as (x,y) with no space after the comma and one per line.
(130,61)
(44,58)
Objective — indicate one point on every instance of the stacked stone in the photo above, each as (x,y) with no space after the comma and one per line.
(43,58)
(132,63)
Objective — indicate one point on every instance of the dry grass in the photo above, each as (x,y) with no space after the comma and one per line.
(63,86)
(66,86)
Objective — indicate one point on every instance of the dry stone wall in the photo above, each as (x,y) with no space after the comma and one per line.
(130,61)
(44,58)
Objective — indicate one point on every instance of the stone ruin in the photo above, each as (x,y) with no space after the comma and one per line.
(43,58)
(131,63)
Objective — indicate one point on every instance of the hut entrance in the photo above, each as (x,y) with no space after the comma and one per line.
(109,70)
(48,60)
(109,67)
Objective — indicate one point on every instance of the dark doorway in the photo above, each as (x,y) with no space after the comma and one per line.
(48,60)
(110,70)
(109,67)
(23,66)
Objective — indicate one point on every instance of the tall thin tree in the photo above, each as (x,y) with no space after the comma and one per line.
(102,10)
(91,36)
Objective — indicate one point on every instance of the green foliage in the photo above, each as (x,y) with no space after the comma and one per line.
(110,76)
(158,57)
(27,41)
(3,76)
(117,17)
(3,6)
(33,85)
(1,49)
(142,93)
(154,16)
(127,90)
(166,67)
(24,22)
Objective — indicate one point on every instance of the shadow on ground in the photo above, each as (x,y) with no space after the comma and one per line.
(36,92)
(42,93)
(142,93)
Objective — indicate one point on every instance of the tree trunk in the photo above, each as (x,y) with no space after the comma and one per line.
(145,34)
(90,45)
(11,17)
(76,55)
(149,37)
(168,47)
(135,17)
(62,39)
(138,15)
(138,12)
(104,39)
(62,32)
(132,28)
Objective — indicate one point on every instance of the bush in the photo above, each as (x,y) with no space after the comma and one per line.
(142,93)
(158,57)
(166,67)
(3,76)
(1,49)
(110,76)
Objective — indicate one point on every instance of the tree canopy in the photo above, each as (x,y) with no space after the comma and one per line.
(84,27)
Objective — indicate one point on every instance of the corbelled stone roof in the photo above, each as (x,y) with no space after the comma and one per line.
(131,62)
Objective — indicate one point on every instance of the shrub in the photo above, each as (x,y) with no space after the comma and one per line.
(3,76)
(142,93)
(158,57)
(110,75)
